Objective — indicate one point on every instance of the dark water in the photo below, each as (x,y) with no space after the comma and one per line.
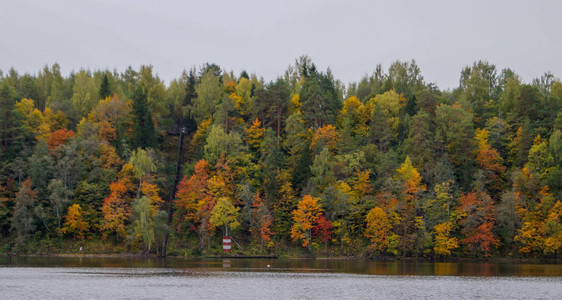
(141,278)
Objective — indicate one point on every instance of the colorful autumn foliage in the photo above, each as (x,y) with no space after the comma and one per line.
(323,229)
(490,161)
(325,136)
(224,213)
(263,220)
(116,209)
(390,165)
(74,223)
(378,231)
(478,221)
(254,134)
(443,242)
(307,212)
(192,193)
(59,137)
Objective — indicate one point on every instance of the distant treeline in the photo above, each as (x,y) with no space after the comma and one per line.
(391,165)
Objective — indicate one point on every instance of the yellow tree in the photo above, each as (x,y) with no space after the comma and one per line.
(244,95)
(41,124)
(411,179)
(151,191)
(542,230)
(52,120)
(443,243)
(74,223)
(254,134)
(224,213)
(356,115)
(552,230)
(390,104)
(307,212)
(379,233)
(362,185)
(31,116)
(296,104)
(409,223)
(529,236)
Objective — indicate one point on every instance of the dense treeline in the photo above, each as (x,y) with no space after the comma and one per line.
(390,165)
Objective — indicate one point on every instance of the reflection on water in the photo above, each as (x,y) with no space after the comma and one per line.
(251,280)
(295,265)
(226,263)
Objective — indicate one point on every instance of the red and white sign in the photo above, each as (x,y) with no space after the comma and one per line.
(226,243)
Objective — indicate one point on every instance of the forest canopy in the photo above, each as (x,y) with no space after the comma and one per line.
(390,165)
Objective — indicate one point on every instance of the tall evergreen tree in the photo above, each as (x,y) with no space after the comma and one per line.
(320,103)
(105,91)
(272,105)
(411,106)
(143,131)
(190,94)
(11,130)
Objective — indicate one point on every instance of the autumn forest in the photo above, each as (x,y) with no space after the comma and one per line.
(304,165)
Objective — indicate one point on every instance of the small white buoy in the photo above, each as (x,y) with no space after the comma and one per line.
(268,266)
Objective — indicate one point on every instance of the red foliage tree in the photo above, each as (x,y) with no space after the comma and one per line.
(323,229)
(478,222)
(59,137)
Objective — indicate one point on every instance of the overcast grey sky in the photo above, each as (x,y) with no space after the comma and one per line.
(264,37)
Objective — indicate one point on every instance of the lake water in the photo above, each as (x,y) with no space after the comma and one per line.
(141,278)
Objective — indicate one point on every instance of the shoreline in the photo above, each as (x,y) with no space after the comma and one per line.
(379,259)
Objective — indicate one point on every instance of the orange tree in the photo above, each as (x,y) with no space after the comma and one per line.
(307,212)
(74,222)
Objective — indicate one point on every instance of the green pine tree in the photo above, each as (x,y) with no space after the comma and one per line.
(144,133)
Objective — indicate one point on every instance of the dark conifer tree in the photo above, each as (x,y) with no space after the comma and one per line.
(244,74)
(411,106)
(143,131)
(105,91)
(11,130)
(320,103)
(190,94)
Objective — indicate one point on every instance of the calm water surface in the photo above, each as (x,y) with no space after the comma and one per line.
(140,278)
